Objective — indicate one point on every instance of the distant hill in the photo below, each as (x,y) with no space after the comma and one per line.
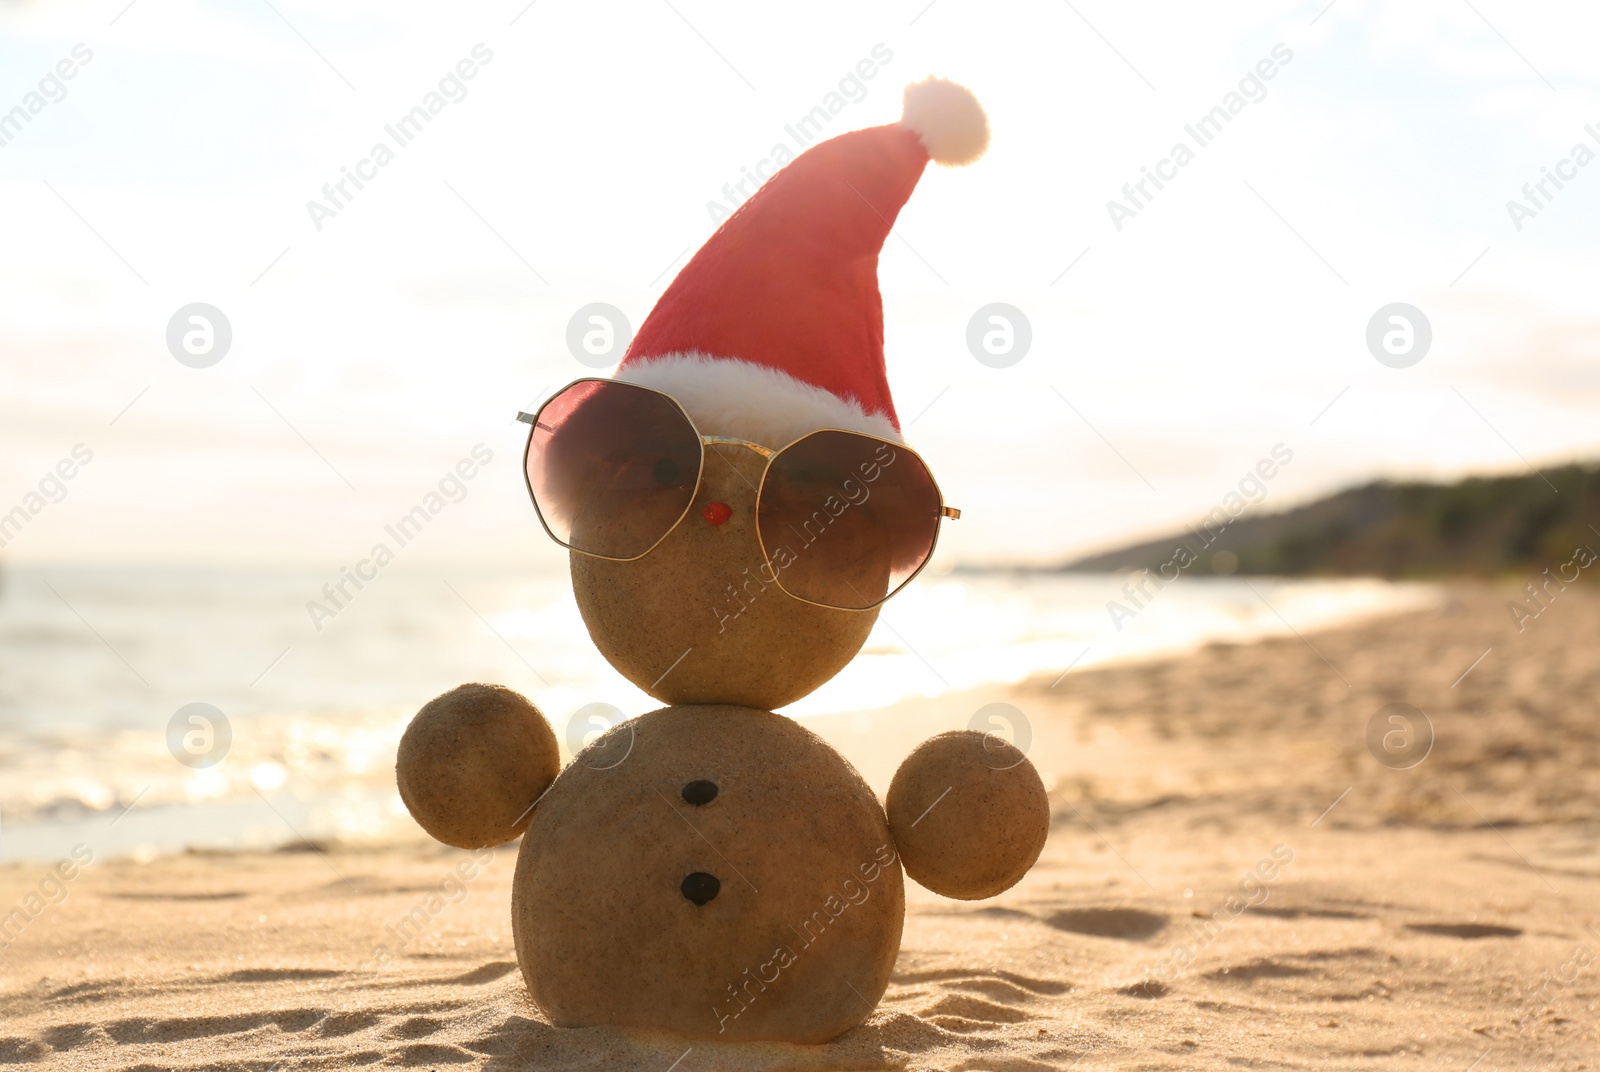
(1482,526)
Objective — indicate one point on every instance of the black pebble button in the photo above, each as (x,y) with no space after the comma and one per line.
(700,887)
(700,792)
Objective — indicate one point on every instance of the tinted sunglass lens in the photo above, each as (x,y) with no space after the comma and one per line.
(847,519)
(612,467)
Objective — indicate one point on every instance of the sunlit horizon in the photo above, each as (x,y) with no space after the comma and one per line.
(375,347)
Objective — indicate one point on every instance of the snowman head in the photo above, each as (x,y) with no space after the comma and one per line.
(739,500)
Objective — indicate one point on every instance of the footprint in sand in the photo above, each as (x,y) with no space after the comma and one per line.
(1465,930)
(1127,924)
(963,1013)
(1260,968)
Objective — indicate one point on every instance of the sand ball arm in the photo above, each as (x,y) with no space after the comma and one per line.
(472,762)
(969,814)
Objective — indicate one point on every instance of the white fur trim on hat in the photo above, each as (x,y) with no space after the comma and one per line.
(729,397)
(948,119)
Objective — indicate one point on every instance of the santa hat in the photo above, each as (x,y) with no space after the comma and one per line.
(775,328)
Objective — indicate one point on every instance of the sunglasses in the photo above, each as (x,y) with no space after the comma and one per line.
(844,519)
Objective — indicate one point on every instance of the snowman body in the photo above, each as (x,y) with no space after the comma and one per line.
(709,870)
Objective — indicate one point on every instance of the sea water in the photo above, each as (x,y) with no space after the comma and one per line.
(97,662)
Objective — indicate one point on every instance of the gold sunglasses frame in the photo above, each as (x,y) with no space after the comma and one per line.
(532,421)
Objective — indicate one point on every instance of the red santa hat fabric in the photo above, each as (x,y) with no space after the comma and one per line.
(775,327)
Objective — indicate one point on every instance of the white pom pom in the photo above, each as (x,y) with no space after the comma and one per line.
(948,119)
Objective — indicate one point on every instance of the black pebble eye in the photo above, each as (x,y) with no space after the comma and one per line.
(700,792)
(665,472)
(700,887)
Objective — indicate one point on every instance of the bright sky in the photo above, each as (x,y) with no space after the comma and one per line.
(1227,316)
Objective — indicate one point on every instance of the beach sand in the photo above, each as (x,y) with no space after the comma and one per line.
(1232,880)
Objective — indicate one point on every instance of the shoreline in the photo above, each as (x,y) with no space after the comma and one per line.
(127,798)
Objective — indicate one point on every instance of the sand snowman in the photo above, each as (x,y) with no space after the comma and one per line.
(738,502)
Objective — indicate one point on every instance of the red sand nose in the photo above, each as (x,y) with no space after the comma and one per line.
(717,512)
